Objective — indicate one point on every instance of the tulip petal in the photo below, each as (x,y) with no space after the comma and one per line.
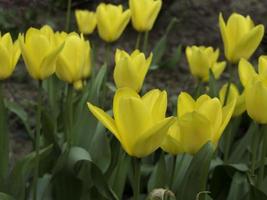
(256,101)
(132,119)
(218,68)
(224,36)
(249,43)
(240,105)
(5,63)
(151,139)
(263,66)
(105,119)
(172,142)
(185,104)
(246,71)
(195,131)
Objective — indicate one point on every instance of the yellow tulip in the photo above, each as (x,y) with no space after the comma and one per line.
(111,21)
(130,70)
(9,55)
(74,62)
(240,36)
(197,123)
(201,59)
(144,13)
(40,52)
(255,88)
(86,21)
(139,122)
(240,106)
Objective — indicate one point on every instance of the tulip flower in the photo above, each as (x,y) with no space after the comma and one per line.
(255,88)
(240,106)
(111,21)
(77,68)
(240,36)
(139,122)
(86,21)
(201,59)
(130,70)
(9,55)
(197,123)
(144,13)
(40,52)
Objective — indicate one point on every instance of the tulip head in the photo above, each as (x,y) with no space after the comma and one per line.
(198,122)
(139,123)
(130,70)
(240,36)
(201,59)
(111,21)
(255,88)
(39,51)
(86,21)
(144,13)
(74,62)
(9,55)
(240,106)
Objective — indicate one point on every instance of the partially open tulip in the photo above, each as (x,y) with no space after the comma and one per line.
(144,13)
(240,106)
(130,70)
(9,55)
(39,51)
(139,122)
(240,36)
(255,88)
(201,59)
(111,21)
(74,63)
(198,122)
(86,21)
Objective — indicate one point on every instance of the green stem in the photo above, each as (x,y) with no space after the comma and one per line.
(231,67)
(198,88)
(263,154)
(145,41)
(69,102)
(227,142)
(4,140)
(107,52)
(254,145)
(138,40)
(136,180)
(67,25)
(37,140)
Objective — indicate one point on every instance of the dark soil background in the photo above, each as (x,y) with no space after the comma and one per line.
(197,25)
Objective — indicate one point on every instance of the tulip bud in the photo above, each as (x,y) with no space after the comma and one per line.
(139,122)
(86,21)
(201,59)
(111,21)
(240,36)
(255,88)
(130,70)
(40,52)
(144,13)
(74,62)
(198,122)
(9,55)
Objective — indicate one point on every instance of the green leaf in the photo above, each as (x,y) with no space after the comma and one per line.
(174,59)
(23,171)
(158,176)
(239,187)
(4,196)
(195,179)
(256,194)
(20,113)
(213,88)
(100,148)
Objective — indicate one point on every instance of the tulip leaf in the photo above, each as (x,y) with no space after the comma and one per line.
(256,194)
(4,196)
(239,187)
(213,89)
(100,148)
(195,179)
(158,176)
(22,172)
(19,111)
(174,59)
